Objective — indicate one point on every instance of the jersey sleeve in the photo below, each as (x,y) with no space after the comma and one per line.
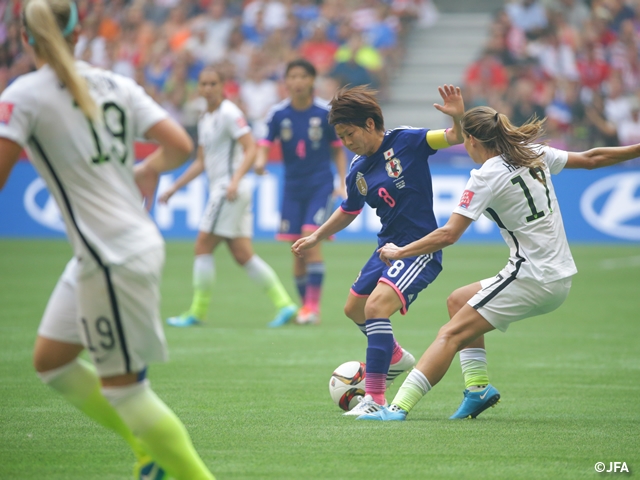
(555,159)
(475,198)
(16,117)
(236,124)
(420,138)
(273,129)
(146,112)
(354,203)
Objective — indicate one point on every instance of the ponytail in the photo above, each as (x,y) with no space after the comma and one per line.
(48,22)
(516,145)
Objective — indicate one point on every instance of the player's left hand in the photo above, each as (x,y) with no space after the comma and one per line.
(147,180)
(453,102)
(389,252)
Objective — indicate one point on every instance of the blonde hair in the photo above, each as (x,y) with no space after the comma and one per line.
(516,145)
(45,21)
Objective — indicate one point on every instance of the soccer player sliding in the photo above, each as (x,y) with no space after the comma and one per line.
(512,188)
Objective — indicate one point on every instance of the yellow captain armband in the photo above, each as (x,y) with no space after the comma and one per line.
(437,139)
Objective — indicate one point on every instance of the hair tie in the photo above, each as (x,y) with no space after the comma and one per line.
(71,24)
(495,117)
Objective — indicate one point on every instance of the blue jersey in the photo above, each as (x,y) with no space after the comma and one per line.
(306,139)
(396,182)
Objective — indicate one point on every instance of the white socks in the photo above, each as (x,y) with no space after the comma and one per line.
(203,272)
(260,272)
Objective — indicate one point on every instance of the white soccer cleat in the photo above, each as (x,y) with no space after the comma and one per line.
(406,362)
(366,405)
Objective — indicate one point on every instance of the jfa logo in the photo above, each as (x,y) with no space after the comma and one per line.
(394,168)
(614,467)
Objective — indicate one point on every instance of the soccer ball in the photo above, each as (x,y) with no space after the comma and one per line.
(346,385)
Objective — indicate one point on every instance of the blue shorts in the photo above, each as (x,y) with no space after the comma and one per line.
(407,277)
(304,212)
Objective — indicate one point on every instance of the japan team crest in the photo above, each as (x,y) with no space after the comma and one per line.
(361,183)
(315,129)
(394,168)
(286,130)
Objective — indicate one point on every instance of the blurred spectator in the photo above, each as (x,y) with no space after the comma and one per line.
(274,14)
(524,105)
(258,94)
(91,47)
(617,108)
(318,49)
(593,70)
(486,74)
(218,27)
(556,59)
(575,12)
(361,52)
(158,69)
(629,129)
(620,12)
(528,15)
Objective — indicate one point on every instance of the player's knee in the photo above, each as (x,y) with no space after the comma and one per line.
(375,308)
(454,303)
(43,361)
(350,311)
(450,337)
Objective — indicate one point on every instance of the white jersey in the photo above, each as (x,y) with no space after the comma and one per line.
(87,167)
(218,132)
(527,212)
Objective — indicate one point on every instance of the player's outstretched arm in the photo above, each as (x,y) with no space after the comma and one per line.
(453,105)
(338,221)
(9,156)
(436,240)
(602,157)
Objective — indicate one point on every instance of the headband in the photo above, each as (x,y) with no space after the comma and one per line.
(71,24)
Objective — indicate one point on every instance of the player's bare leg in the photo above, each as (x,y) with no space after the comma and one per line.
(261,273)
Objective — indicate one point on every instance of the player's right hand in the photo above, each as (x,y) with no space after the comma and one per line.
(302,244)
(164,198)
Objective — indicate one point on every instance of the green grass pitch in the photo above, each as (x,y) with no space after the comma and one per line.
(256,403)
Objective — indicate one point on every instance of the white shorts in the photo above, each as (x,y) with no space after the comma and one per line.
(113,311)
(229,219)
(505,299)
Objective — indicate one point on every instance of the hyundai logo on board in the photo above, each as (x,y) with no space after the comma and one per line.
(612,205)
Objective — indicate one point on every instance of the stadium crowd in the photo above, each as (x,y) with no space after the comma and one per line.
(164,44)
(576,62)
